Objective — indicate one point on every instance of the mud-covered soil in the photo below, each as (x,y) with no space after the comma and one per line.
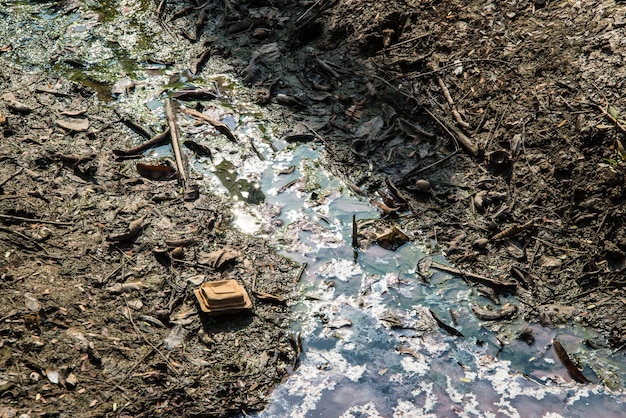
(98,269)
(517,175)
(499,124)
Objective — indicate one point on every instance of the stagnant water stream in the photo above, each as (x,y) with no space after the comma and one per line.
(370,345)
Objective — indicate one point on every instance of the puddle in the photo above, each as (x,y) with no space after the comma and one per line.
(370,345)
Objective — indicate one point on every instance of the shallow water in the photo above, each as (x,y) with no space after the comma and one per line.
(354,362)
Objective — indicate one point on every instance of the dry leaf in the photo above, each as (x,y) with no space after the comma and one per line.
(267,297)
(126,287)
(217,259)
(156,172)
(174,338)
(73,124)
(569,365)
(392,239)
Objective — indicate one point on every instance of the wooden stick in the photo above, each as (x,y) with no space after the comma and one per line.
(612,119)
(156,140)
(174,134)
(455,112)
(35,221)
(3,182)
(465,141)
(509,286)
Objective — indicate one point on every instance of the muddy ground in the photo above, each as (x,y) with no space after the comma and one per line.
(494,130)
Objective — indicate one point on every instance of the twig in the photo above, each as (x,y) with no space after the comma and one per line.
(36,221)
(132,368)
(152,142)
(3,182)
(467,143)
(455,112)
(456,64)
(557,247)
(175,135)
(406,41)
(509,286)
(25,237)
(154,347)
(320,137)
(300,271)
(611,118)
(419,170)
(308,10)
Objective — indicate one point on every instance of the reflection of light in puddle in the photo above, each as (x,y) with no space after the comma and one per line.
(245,221)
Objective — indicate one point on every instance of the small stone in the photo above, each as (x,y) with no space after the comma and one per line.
(481,243)
(423,185)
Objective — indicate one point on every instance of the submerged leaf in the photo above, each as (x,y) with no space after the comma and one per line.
(576,374)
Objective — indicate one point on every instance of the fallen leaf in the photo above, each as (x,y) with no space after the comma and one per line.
(392,239)
(126,287)
(548,261)
(267,297)
(174,338)
(569,365)
(156,172)
(217,259)
(73,124)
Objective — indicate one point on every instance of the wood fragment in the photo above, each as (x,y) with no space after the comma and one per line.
(463,139)
(355,232)
(505,286)
(573,371)
(137,128)
(155,141)
(221,127)
(506,312)
(184,242)
(450,330)
(37,221)
(175,136)
(455,112)
(456,134)
(301,271)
